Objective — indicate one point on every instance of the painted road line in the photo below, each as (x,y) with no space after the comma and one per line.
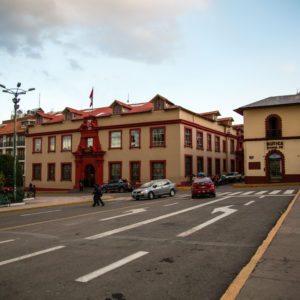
(248,203)
(226,193)
(5,262)
(113,266)
(7,241)
(236,193)
(260,193)
(275,192)
(288,192)
(135,225)
(227,210)
(262,197)
(247,193)
(127,213)
(171,204)
(39,213)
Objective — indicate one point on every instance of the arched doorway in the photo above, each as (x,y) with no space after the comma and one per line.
(275,163)
(89,175)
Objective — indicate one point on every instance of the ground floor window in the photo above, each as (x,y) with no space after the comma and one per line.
(66,171)
(232,165)
(51,172)
(200,164)
(158,169)
(224,165)
(135,171)
(218,166)
(37,172)
(209,166)
(188,165)
(115,170)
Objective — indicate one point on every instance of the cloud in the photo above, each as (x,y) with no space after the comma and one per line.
(74,65)
(133,29)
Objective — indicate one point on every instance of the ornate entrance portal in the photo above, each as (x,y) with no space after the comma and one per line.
(275,166)
(89,155)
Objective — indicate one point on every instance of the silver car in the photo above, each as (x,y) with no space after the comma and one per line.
(154,189)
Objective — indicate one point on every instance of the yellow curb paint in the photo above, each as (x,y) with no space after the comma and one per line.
(235,287)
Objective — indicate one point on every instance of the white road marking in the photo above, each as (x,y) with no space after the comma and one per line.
(135,225)
(7,241)
(129,212)
(39,213)
(247,193)
(275,192)
(226,212)
(260,193)
(235,193)
(222,194)
(248,203)
(5,262)
(288,192)
(262,197)
(115,265)
(171,204)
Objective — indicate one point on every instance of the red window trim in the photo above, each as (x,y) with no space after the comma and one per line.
(109,139)
(109,168)
(33,144)
(202,158)
(49,137)
(165,133)
(191,134)
(33,178)
(61,171)
(130,168)
(48,179)
(158,161)
(62,137)
(135,129)
(201,132)
(185,156)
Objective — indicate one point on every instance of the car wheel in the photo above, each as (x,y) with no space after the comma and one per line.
(172,193)
(213,194)
(150,196)
(122,190)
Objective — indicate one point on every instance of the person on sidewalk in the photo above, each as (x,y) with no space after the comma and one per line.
(97,196)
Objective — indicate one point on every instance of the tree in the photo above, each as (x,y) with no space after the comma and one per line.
(7,169)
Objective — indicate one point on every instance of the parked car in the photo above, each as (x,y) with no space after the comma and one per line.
(154,189)
(116,185)
(232,177)
(203,186)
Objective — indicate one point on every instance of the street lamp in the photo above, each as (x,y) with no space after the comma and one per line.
(15,92)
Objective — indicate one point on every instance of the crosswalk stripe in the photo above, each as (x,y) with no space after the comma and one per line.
(247,193)
(221,194)
(275,192)
(7,241)
(260,193)
(235,193)
(288,192)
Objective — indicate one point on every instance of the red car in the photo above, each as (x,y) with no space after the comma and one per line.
(203,186)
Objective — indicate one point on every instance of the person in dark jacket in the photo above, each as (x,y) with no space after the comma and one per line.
(97,196)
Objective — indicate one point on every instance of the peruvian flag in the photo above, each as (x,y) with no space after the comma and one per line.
(92,97)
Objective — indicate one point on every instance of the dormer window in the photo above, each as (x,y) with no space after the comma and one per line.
(273,127)
(68,115)
(117,109)
(39,120)
(159,104)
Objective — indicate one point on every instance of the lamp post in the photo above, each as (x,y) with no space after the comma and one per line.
(15,92)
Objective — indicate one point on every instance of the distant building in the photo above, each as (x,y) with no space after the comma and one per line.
(272,139)
(138,142)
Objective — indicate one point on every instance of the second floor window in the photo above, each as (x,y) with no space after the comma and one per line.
(209,145)
(158,137)
(37,145)
(217,144)
(199,139)
(66,141)
(115,139)
(231,146)
(51,144)
(89,142)
(135,135)
(273,127)
(188,137)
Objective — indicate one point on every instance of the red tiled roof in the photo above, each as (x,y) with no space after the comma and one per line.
(8,128)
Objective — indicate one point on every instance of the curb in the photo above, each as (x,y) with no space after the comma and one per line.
(238,283)
(248,185)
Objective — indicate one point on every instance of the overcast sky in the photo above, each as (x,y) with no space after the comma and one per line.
(204,55)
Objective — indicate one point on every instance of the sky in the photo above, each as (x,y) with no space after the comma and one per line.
(204,55)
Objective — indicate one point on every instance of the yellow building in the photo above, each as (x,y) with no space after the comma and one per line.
(139,142)
(272,139)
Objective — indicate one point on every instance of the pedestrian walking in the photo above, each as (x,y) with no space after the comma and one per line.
(97,196)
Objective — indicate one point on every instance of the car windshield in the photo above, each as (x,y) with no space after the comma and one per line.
(147,184)
(202,180)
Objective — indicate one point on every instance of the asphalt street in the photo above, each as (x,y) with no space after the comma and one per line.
(167,248)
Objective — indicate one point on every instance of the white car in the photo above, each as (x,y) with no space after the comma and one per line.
(154,189)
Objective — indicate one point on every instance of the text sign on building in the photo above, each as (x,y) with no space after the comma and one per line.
(275,145)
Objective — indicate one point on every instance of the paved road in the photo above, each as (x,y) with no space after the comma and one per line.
(168,248)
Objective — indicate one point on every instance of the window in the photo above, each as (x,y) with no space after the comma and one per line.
(188,137)
(135,138)
(188,166)
(159,104)
(218,166)
(273,127)
(199,138)
(51,143)
(68,115)
(157,137)
(66,171)
(217,144)
(232,165)
(37,145)
(209,166)
(21,153)
(51,172)
(115,139)
(157,169)
(209,145)
(115,170)
(117,109)
(89,142)
(135,171)
(21,140)
(66,143)
(224,146)
(232,146)
(224,165)
(200,164)
(36,171)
